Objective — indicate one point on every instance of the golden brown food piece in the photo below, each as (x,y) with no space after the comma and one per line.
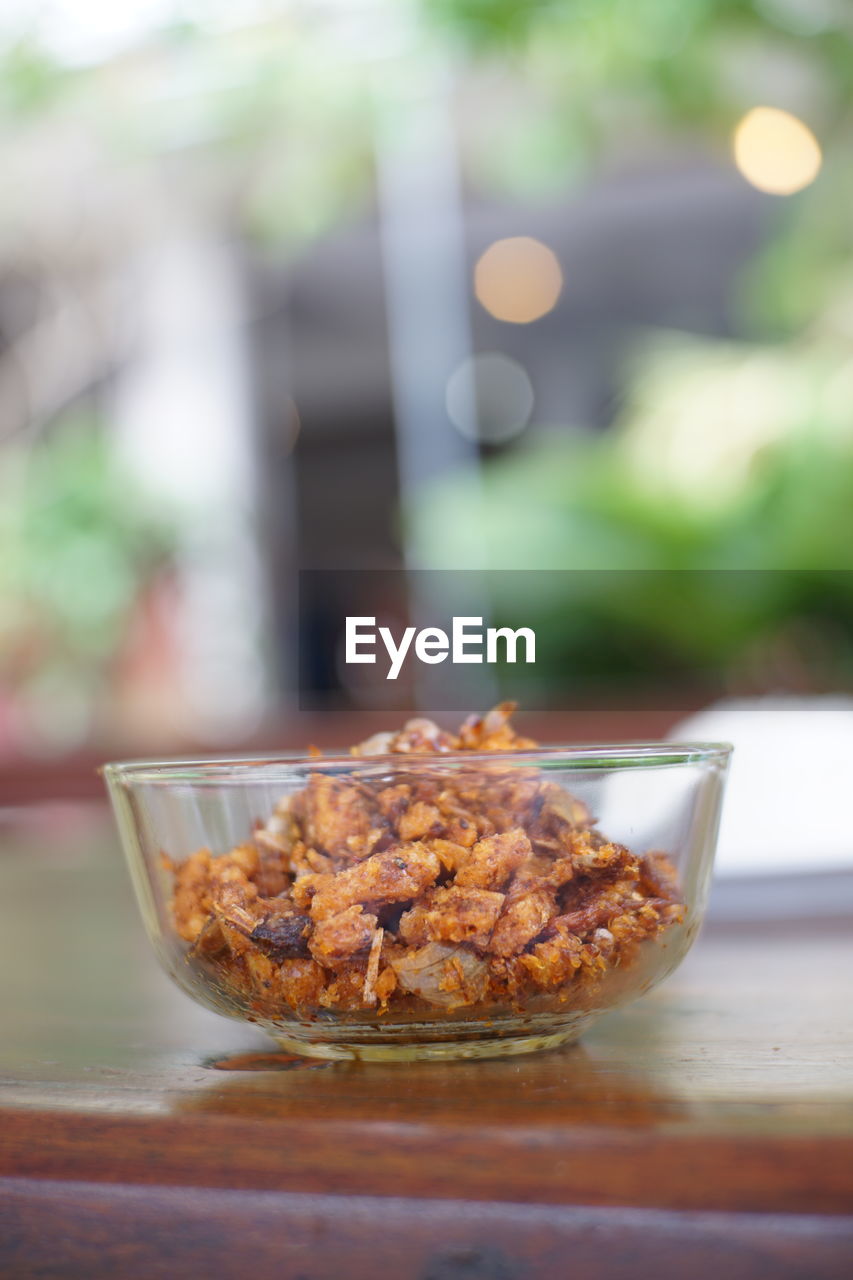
(336,938)
(191,902)
(301,982)
(555,961)
(522,920)
(591,854)
(417,737)
(452,856)
(396,875)
(560,809)
(450,881)
(493,732)
(386,984)
(593,903)
(335,816)
(454,914)
(419,821)
(658,878)
(493,860)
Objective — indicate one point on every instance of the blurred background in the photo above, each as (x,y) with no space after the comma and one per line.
(379,285)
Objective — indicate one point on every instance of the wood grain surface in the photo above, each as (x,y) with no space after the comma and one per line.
(708,1125)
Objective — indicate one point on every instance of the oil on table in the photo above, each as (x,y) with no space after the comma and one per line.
(705,1130)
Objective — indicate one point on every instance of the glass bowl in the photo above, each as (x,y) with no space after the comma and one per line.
(430,906)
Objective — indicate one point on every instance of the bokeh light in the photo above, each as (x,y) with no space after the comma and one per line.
(489,398)
(518,279)
(776,152)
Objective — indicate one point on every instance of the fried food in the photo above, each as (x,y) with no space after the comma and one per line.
(407,886)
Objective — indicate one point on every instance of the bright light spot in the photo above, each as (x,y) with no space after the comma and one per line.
(489,398)
(776,152)
(518,279)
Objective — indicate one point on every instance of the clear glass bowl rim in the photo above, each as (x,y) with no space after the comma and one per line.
(241,770)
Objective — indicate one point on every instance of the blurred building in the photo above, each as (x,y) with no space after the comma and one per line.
(369,286)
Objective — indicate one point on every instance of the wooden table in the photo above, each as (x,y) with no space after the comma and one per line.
(706,1130)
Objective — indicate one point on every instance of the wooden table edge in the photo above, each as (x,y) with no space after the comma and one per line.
(612,1166)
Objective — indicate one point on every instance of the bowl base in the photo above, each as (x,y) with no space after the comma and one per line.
(443,1050)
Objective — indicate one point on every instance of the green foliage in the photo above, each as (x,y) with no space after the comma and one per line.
(714,519)
(484,24)
(76,546)
(280,119)
(30,80)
